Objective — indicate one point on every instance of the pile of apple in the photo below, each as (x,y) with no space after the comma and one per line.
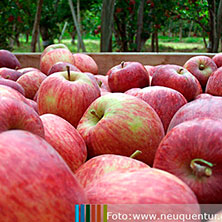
(137,135)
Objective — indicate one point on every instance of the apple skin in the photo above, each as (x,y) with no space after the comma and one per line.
(177,78)
(52,47)
(204,106)
(13,85)
(214,83)
(101,165)
(52,57)
(8,59)
(218,59)
(35,182)
(62,66)
(165,101)
(27,69)
(142,186)
(85,63)
(31,82)
(67,99)
(65,139)
(196,139)
(103,84)
(18,115)
(201,67)
(127,75)
(32,104)
(120,124)
(11,74)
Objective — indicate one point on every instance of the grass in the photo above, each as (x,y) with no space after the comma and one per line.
(166,44)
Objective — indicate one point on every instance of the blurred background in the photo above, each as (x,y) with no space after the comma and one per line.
(112,25)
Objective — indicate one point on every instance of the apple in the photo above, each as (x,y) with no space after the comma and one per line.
(35,182)
(214,83)
(101,165)
(8,60)
(13,85)
(85,63)
(15,114)
(178,78)
(54,55)
(67,94)
(142,186)
(127,75)
(7,91)
(27,69)
(32,104)
(165,101)
(117,123)
(62,66)
(193,151)
(52,47)
(103,84)
(201,67)
(65,139)
(204,106)
(11,74)
(218,59)
(31,81)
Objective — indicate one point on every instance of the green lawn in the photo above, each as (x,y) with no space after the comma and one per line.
(166,44)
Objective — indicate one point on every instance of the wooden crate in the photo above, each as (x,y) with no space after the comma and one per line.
(107,60)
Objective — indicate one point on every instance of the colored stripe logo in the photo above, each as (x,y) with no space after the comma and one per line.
(90,213)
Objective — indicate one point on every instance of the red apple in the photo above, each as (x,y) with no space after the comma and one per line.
(165,101)
(214,83)
(27,69)
(178,78)
(52,47)
(67,96)
(15,114)
(142,186)
(218,59)
(62,66)
(101,165)
(35,182)
(31,82)
(32,104)
(85,63)
(193,151)
(65,139)
(201,67)
(103,84)
(11,74)
(127,75)
(8,59)
(117,123)
(53,56)
(204,106)
(13,85)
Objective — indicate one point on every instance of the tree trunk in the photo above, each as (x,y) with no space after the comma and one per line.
(36,26)
(139,25)
(77,26)
(106,25)
(190,29)
(218,27)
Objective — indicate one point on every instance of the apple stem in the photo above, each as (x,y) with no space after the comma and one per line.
(201,170)
(122,64)
(136,153)
(68,70)
(100,83)
(201,67)
(93,112)
(180,70)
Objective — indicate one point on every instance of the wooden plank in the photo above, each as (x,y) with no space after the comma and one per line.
(105,61)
